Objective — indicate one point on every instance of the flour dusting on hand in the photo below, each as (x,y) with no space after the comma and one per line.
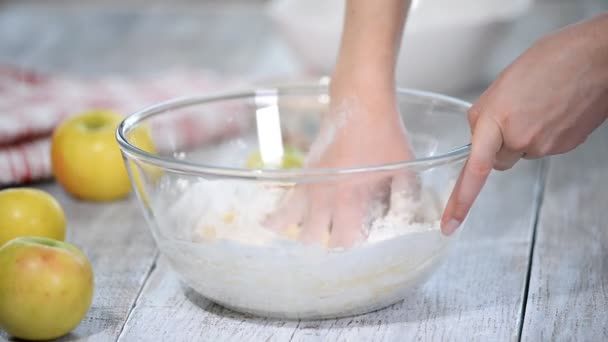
(235,210)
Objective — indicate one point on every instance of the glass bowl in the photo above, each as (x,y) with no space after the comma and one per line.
(187,161)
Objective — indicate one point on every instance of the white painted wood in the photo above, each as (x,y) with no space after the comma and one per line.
(236,40)
(169,312)
(121,251)
(476,295)
(102,39)
(568,293)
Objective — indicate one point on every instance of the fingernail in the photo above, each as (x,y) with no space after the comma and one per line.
(451,226)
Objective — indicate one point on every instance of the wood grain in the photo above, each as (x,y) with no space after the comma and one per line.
(237,40)
(99,40)
(166,311)
(114,237)
(568,295)
(477,294)
(91,41)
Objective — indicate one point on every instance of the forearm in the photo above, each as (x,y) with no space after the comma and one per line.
(370,42)
(598,40)
(587,44)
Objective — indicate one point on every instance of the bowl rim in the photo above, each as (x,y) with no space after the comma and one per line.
(186,167)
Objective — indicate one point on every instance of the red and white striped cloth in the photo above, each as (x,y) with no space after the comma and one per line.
(33,104)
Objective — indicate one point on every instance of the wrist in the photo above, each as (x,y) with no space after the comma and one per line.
(366,65)
(364,98)
(361,80)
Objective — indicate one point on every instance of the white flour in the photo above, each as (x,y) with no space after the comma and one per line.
(234,210)
(210,231)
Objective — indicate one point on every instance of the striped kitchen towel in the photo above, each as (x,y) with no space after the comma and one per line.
(32,104)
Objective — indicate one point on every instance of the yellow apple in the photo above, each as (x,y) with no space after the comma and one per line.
(292,159)
(140,137)
(30,212)
(46,288)
(86,159)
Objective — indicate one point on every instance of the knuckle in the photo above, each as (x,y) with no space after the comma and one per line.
(473,115)
(564,148)
(521,143)
(506,159)
(546,147)
(539,150)
(505,118)
(502,166)
(474,112)
(569,146)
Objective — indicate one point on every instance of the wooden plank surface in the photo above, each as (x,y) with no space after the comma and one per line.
(116,240)
(236,40)
(568,295)
(476,295)
(456,303)
(91,41)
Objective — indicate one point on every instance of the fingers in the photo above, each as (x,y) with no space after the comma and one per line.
(486,142)
(505,159)
(406,183)
(289,212)
(315,228)
(349,215)
(473,114)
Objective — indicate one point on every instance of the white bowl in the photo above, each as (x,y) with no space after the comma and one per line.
(446,44)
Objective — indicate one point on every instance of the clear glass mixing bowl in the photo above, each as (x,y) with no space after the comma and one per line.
(187,157)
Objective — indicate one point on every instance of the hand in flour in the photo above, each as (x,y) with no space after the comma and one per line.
(547,102)
(363,127)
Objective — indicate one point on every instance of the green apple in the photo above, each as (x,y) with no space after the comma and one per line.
(30,212)
(46,287)
(86,159)
(292,159)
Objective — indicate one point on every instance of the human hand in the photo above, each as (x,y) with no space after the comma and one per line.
(362,128)
(547,102)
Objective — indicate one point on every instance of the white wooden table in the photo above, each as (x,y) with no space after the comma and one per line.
(531,265)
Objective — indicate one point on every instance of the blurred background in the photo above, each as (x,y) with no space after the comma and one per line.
(455,47)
